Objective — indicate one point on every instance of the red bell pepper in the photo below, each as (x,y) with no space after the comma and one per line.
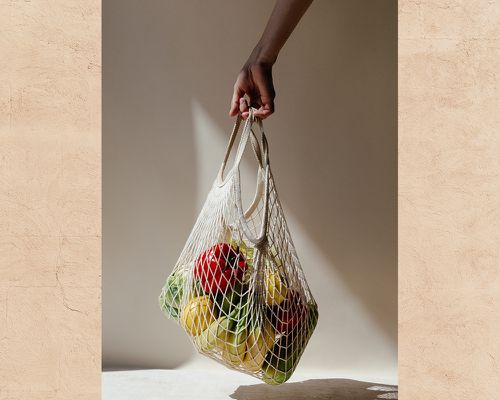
(219,267)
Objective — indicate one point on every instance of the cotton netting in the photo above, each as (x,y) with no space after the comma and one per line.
(238,288)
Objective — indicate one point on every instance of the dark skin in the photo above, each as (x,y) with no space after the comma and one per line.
(255,79)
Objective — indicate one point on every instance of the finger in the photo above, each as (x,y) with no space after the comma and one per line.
(264,81)
(264,111)
(235,101)
(256,105)
(255,100)
(267,107)
(243,108)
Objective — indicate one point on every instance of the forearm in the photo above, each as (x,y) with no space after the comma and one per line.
(285,16)
(255,79)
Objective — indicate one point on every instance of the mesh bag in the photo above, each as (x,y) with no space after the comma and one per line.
(238,289)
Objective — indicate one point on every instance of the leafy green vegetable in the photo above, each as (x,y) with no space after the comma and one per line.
(171,295)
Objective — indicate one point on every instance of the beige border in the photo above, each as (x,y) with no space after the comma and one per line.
(50,200)
(50,189)
(449,209)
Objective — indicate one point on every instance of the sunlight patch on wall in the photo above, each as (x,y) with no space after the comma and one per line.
(347,337)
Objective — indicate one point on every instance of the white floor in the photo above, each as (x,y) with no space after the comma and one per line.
(211,381)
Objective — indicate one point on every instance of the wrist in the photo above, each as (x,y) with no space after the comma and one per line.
(263,55)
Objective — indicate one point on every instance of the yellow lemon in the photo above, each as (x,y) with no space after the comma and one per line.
(275,288)
(259,342)
(214,336)
(197,315)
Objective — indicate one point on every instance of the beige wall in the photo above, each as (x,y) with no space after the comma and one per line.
(449,214)
(50,200)
(168,72)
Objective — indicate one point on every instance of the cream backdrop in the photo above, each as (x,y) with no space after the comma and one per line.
(168,68)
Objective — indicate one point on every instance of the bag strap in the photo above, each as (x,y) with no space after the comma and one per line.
(232,138)
(264,146)
(259,149)
(263,179)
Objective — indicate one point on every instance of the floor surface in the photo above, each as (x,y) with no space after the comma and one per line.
(217,382)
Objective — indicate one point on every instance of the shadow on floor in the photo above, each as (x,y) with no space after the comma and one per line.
(318,389)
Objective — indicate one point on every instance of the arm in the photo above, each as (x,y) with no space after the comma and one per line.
(255,79)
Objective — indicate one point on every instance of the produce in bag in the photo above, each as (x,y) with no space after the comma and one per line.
(238,289)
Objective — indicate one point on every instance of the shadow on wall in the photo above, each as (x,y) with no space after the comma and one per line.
(318,389)
(333,142)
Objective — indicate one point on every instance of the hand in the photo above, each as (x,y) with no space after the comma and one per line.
(256,81)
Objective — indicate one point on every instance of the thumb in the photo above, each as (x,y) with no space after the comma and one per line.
(235,101)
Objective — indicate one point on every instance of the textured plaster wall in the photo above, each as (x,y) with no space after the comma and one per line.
(50,220)
(449,205)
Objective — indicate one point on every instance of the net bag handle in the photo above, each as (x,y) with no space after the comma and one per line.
(259,192)
(241,147)
(261,151)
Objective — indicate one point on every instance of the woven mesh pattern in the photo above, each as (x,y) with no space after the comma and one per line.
(243,299)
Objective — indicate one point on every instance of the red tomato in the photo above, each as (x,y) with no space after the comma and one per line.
(219,267)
